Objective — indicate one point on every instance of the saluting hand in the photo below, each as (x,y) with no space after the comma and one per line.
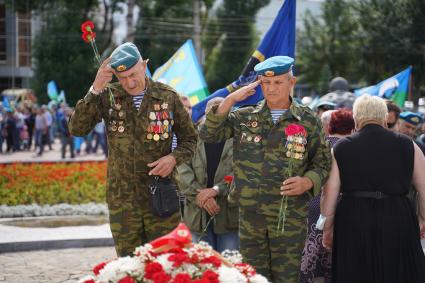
(163,166)
(296,186)
(244,92)
(103,76)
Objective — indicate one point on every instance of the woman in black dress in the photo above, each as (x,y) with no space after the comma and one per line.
(374,230)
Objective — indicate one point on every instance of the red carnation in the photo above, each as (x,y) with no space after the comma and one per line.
(87,26)
(246,269)
(210,276)
(179,259)
(127,279)
(228,179)
(202,280)
(88,36)
(99,267)
(89,281)
(151,269)
(182,278)
(295,129)
(212,260)
(161,277)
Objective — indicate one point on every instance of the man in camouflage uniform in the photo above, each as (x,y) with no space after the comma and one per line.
(260,156)
(140,120)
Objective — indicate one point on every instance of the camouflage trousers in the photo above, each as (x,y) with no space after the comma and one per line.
(274,255)
(132,223)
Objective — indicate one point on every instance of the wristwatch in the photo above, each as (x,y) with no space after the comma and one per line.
(93,91)
(320,224)
(216,188)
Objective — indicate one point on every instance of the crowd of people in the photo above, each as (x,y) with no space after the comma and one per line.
(36,128)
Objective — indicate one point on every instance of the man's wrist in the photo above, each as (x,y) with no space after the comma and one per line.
(93,90)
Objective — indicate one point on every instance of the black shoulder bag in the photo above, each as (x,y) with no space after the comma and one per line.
(164,200)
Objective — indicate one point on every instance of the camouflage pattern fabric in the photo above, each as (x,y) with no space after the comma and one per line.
(131,146)
(260,162)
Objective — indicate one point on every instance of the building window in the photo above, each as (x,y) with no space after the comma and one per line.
(24,39)
(3,54)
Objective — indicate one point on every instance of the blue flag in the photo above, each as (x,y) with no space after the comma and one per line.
(52,90)
(279,40)
(6,104)
(183,72)
(394,88)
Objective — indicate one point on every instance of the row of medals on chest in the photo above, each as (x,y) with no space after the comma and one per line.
(294,144)
(161,122)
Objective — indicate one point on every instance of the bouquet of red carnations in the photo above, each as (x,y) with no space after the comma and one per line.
(175,259)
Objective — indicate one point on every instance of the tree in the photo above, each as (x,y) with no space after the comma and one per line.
(58,50)
(328,47)
(229,40)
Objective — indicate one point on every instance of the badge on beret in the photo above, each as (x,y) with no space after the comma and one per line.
(121,68)
(415,119)
(269,73)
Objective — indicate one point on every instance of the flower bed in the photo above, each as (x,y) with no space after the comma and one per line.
(52,183)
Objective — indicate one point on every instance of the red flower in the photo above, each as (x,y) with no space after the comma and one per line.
(87,26)
(210,276)
(161,277)
(88,36)
(127,279)
(212,260)
(99,267)
(151,269)
(246,269)
(178,259)
(202,280)
(228,179)
(182,278)
(89,281)
(295,129)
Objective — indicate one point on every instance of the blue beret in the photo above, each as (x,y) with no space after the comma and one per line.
(124,57)
(411,117)
(274,66)
(329,105)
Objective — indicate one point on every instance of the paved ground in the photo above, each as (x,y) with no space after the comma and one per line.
(48,155)
(53,266)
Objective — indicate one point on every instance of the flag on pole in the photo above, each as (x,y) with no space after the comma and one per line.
(394,88)
(61,97)
(6,104)
(279,40)
(183,72)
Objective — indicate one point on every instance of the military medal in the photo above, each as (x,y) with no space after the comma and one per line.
(257,139)
(121,129)
(249,138)
(165,122)
(165,135)
(121,114)
(164,105)
(156,137)
(156,107)
(254,124)
(152,116)
(114,128)
(118,106)
(149,136)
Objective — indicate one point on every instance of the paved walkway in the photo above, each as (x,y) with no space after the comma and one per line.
(53,155)
(66,266)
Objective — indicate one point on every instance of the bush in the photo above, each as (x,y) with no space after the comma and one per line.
(52,183)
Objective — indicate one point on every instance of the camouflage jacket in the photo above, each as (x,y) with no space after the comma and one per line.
(192,176)
(260,155)
(130,133)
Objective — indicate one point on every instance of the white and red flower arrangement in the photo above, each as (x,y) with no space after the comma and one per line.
(173,258)
(296,139)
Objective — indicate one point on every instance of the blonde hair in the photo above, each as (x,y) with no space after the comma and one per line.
(369,110)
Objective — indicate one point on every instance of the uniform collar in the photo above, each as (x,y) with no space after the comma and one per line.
(295,109)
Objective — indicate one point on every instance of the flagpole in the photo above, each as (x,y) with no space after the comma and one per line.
(410,84)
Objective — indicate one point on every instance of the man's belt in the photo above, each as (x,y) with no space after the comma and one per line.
(374,195)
